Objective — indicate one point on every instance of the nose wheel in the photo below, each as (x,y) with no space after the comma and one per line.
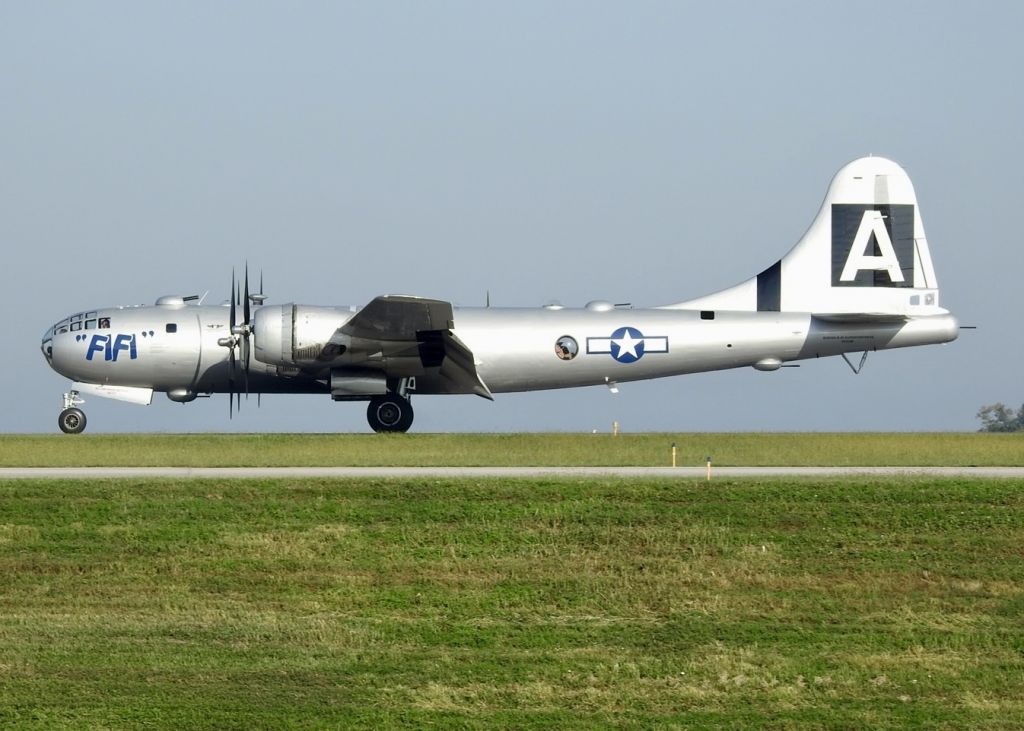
(391,413)
(72,419)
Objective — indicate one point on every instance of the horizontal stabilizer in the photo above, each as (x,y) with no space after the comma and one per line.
(861,318)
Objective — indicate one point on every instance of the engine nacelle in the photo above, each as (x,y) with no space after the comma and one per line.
(295,335)
(357,383)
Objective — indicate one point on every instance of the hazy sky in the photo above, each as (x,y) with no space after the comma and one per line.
(642,152)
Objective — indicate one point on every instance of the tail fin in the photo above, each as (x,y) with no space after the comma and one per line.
(865,255)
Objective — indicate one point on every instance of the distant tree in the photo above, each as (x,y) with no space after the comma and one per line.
(1000,417)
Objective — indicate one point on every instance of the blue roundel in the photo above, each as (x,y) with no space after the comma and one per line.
(627,345)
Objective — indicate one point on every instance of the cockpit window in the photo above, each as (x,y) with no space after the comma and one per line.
(104,323)
(90,324)
(76,326)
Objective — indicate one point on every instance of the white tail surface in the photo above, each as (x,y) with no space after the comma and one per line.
(865,254)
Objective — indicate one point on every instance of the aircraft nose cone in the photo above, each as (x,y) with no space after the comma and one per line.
(59,353)
(47,346)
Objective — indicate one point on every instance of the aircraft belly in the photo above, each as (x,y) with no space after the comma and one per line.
(516,350)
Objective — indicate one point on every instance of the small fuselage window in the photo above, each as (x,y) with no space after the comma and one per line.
(172,327)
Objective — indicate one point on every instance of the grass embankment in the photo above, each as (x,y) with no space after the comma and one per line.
(768,449)
(816,604)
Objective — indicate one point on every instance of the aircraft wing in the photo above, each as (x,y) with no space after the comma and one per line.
(409,336)
(399,317)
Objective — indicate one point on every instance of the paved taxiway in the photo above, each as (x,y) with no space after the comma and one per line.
(256,473)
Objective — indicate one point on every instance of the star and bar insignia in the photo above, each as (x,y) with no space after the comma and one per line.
(627,345)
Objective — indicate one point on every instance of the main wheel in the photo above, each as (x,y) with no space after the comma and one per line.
(389,413)
(71,421)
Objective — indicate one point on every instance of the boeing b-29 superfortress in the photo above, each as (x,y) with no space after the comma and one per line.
(860,279)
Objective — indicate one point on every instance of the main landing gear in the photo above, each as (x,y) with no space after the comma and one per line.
(72,419)
(390,413)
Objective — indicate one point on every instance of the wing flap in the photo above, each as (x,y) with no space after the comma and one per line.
(459,368)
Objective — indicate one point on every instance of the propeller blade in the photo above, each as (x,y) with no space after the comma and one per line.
(247,313)
(245,301)
(245,366)
(231,321)
(231,383)
(247,316)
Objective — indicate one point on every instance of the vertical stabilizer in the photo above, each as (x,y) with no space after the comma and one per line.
(864,254)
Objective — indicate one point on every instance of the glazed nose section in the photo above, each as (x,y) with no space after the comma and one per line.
(47,346)
(59,350)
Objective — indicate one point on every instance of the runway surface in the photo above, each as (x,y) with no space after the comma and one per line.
(255,473)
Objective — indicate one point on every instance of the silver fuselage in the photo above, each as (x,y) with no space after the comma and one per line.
(176,350)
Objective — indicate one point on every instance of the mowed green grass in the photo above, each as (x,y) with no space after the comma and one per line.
(757,449)
(881,603)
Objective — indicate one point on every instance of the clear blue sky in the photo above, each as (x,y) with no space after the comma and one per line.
(643,152)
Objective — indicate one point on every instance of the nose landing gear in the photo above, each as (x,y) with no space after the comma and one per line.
(72,419)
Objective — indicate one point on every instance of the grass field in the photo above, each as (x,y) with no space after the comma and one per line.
(279,450)
(525,604)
